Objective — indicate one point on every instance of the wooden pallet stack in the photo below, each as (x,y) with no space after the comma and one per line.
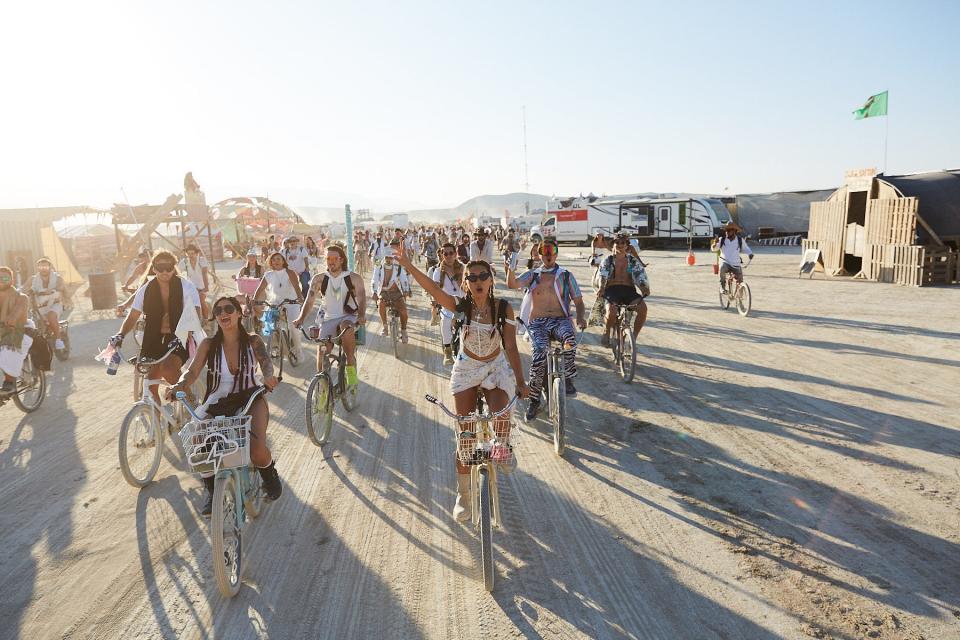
(911,265)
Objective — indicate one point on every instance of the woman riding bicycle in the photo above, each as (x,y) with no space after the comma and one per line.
(487,361)
(231,357)
(279,284)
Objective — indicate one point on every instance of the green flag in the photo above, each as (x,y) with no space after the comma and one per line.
(873,107)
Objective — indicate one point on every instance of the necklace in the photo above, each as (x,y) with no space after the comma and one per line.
(480,314)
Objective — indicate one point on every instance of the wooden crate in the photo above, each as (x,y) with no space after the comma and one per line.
(939,266)
(910,265)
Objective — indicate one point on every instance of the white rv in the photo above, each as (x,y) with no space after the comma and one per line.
(653,221)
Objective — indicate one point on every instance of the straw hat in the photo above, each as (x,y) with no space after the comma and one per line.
(732,226)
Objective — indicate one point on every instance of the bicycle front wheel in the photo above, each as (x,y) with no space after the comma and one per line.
(227,536)
(628,354)
(319,409)
(141,445)
(486,531)
(32,387)
(253,495)
(558,396)
(744,299)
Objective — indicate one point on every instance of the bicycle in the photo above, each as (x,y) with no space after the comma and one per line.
(623,342)
(222,445)
(142,431)
(736,292)
(554,394)
(477,449)
(323,392)
(393,327)
(280,342)
(43,330)
(31,387)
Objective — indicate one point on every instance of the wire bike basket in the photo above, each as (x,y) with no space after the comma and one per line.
(217,443)
(473,451)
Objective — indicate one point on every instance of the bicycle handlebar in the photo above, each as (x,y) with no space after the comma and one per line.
(322,340)
(474,416)
(278,305)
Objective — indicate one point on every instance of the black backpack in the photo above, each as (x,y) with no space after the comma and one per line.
(739,242)
(464,311)
(41,355)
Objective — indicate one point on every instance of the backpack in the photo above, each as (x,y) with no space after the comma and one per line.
(350,294)
(41,355)
(739,242)
(462,317)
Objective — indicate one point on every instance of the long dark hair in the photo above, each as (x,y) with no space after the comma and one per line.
(216,347)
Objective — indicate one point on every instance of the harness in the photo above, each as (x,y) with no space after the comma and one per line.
(349,282)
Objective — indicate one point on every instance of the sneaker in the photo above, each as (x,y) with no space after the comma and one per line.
(435,321)
(9,386)
(571,390)
(447,355)
(351,375)
(58,345)
(532,409)
(604,340)
(384,332)
(403,336)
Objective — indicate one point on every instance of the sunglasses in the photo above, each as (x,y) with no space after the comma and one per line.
(163,268)
(548,251)
(224,309)
(482,277)
(6,279)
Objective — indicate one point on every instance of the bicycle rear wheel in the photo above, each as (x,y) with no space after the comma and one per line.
(141,445)
(628,353)
(31,387)
(226,533)
(254,494)
(292,358)
(319,409)
(558,396)
(486,531)
(744,299)
(724,299)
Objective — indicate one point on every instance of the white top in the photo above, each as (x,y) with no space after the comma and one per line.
(279,287)
(476,253)
(730,251)
(378,248)
(49,295)
(336,296)
(482,340)
(193,273)
(450,286)
(297,259)
(191,297)
(398,279)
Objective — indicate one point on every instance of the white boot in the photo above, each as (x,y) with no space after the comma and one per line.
(463,509)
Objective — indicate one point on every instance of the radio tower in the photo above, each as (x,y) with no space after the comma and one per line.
(526,171)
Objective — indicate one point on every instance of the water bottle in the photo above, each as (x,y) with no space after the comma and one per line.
(114,363)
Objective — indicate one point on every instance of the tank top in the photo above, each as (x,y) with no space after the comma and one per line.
(279,287)
(335,297)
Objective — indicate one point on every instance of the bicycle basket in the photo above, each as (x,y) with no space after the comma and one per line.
(471,451)
(218,443)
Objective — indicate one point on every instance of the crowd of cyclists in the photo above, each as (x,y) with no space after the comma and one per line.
(463,271)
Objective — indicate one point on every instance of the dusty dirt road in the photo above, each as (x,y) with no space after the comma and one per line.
(792,474)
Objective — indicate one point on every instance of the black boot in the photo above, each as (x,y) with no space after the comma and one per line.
(207,508)
(271,481)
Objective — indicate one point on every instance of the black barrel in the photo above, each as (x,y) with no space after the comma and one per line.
(103,290)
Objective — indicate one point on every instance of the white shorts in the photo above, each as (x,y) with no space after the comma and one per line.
(55,307)
(330,328)
(469,373)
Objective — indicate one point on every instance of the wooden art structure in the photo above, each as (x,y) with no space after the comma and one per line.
(897,229)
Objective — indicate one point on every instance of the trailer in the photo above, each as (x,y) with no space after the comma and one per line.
(653,221)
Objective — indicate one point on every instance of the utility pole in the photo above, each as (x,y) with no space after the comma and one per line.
(526,171)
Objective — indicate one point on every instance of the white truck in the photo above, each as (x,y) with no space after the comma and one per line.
(653,221)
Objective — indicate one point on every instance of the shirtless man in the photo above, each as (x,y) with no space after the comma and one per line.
(622,281)
(552,289)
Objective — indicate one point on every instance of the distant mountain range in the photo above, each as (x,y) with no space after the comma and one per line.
(485,205)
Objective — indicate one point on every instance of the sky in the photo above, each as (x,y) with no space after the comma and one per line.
(419,104)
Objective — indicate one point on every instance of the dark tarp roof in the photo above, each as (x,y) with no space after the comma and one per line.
(787,212)
(939,195)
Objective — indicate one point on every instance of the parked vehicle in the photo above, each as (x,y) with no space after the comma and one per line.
(653,221)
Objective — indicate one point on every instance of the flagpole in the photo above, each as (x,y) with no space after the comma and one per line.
(886,138)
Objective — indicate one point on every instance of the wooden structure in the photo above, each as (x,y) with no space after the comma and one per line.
(869,228)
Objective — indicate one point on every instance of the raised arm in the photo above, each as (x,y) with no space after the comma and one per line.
(442,298)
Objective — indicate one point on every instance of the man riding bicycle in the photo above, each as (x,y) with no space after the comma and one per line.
(731,246)
(390,285)
(552,289)
(171,306)
(50,294)
(344,305)
(622,282)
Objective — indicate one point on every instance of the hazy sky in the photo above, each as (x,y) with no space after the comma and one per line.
(421,102)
